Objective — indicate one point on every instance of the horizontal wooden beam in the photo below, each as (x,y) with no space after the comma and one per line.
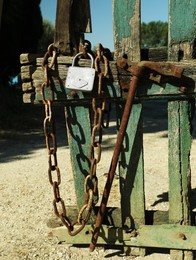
(158,236)
(115,85)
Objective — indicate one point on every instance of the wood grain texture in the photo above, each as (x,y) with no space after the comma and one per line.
(126,24)
(72,21)
(182,30)
(179,128)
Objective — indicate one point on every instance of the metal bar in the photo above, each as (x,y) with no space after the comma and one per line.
(137,71)
(114,161)
(131,170)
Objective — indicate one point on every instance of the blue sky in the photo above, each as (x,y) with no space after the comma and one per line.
(101,14)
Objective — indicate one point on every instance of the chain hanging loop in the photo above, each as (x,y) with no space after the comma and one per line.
(50,136)
(91,181)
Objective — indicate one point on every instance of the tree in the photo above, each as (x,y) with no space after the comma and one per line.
(154,34)
(47,36)
(21,29)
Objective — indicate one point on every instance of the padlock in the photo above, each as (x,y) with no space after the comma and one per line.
(80,78)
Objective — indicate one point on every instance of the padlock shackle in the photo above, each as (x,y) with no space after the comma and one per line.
(80,54)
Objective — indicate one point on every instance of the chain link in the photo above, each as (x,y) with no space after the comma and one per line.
(98,108)
(54,176)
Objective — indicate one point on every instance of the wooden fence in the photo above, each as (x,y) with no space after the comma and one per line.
(178,233)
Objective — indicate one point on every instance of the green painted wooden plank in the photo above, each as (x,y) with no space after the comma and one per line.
(182,20)
(123,12)
(79,135)
(113,216)
(132,172)
(111,84)
(149,88)
(158,236)
(185,121)
(182,30)
(179,168)
(144,91)
(186,108)
(174,164)
(126,24)
(132,175)
(168,236)
(179,162)
(112,90)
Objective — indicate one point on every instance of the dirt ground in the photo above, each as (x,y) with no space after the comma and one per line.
(26,195)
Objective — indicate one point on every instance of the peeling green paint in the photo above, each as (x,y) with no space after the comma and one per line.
(123,12)
(182,18)
(126,27)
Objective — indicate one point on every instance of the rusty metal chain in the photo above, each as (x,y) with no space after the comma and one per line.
(54,176)
(50,136)
(98,108)
(105,106)
(51,145)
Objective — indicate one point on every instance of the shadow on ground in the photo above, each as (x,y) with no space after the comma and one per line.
(21,132)
(21,129)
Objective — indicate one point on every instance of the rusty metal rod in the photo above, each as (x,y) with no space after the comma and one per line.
(114,161)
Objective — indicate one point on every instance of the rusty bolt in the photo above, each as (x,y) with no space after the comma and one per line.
(182,236)
(183,89)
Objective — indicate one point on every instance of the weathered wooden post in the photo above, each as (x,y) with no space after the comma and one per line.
(134,231)
(181,46)
(126,24)
(72,21)
(182,32)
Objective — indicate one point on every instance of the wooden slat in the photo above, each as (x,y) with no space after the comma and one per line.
(157,236)
(29,97)
(113,216)
(110,82)
(27,87)
(182,29)
(179,166)
(27,72)
(179,161)
(79,138)
(81,16)
(126,24)
(62,36)
(154,54)
(131,171)
(72,20)
(146,88)
(28,58)
(187,109)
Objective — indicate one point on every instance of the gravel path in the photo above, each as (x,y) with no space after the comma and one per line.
(26,196)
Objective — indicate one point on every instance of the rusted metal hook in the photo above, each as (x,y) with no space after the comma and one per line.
(137,71)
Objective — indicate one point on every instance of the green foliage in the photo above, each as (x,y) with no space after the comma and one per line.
(154,34)
(47,36)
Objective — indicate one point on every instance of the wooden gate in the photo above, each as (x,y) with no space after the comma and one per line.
(177,232)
